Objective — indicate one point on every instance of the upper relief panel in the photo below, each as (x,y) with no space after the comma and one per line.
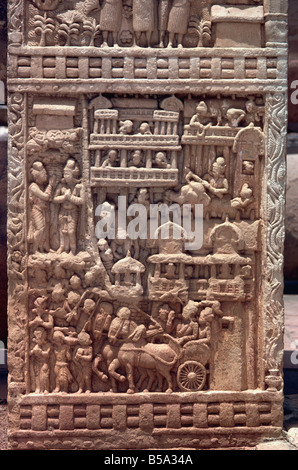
(208,45)
(145,23)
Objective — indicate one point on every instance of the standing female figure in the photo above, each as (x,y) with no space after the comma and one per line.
(39,197)
(178,21)
(143,20)
(163,18)
(110,20)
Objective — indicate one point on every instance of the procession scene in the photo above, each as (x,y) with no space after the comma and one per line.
(149,314)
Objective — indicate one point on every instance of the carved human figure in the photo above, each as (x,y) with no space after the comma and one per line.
(188,328)
(94,276)
(136,159)
(125,127)
(75,283)
(39,198)
(100,327)
(161,160)
(41,314)
(70,195)
(110,160)
(40,354)
(110,20)
(145,129)
(121,246)
(57,306)
(163,18)
(82,316)
(165,323)
(178,21)
(58,276)
(211,308)
(101,324)
(245,198)
(106,255)
(170,272)
(200,120)
(253,113)
(143,20)
(235,116)
(124,328)
(143,197)
(215,181)
(57,296)
(248,167)
(82,359)
(62,351)
(69,310)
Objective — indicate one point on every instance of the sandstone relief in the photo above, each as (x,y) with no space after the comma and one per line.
(132,122)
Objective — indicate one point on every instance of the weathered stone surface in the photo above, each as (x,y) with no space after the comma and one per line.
(276,445)
(291,240)
(293,63)
(3,243)
(129,329)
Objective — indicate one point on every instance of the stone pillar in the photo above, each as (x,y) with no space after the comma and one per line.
(276,25)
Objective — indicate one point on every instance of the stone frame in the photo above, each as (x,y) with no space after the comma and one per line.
(205,419)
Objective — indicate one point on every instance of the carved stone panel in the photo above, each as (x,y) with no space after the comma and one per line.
(145,225)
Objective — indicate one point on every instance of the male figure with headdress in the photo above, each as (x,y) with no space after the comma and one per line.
(70,195)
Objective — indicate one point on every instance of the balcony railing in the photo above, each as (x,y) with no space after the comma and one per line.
(136,177)
(146,64)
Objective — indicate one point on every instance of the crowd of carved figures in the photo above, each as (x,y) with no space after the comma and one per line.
(73,344)
(133,315)
(126,23)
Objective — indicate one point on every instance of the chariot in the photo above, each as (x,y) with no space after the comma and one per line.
(191,361)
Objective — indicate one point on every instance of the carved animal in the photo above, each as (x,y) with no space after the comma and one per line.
(110,353)
(154,358)
(220,208)
(192,193)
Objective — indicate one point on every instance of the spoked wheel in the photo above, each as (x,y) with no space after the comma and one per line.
(191,376)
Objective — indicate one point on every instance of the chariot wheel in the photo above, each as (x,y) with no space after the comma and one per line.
(191,376)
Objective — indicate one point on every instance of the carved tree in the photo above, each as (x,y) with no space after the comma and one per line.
(201,28)
(43,27)
(70,26)
(91,30)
